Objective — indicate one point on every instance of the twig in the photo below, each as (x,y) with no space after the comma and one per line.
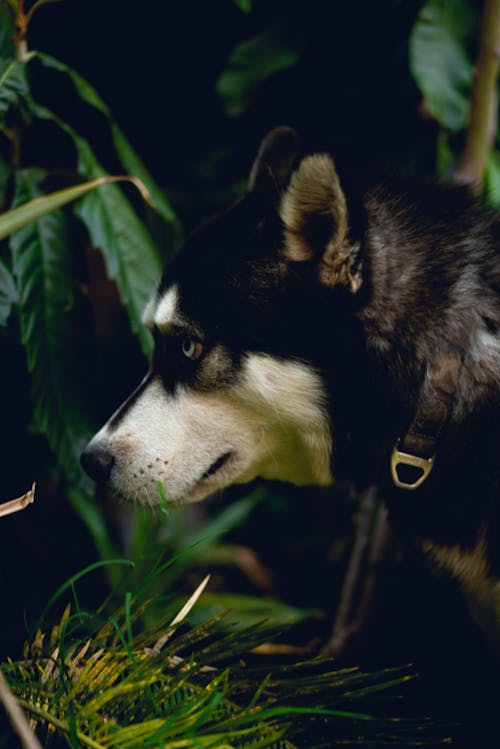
(7,508)
(354,571)
(483,114)
(17,717)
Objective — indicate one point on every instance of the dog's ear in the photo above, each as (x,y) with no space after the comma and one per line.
(274,162)
(314,213)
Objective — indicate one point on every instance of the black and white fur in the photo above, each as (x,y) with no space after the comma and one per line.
(292,336)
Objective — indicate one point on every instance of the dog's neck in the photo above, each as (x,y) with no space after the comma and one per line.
(407,324)
(409,321)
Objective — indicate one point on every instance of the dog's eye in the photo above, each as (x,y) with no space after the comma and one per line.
(192,348)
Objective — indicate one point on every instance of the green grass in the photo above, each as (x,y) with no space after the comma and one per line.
(108,683)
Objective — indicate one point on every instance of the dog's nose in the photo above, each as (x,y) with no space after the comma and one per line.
(97,462)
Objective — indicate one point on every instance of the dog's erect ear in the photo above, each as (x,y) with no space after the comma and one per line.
(314,213)
(275,158)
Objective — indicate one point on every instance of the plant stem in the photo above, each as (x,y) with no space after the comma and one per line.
(49,718)
(483,115)
(21,22)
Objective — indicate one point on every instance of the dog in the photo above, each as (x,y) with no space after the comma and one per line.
(321,331)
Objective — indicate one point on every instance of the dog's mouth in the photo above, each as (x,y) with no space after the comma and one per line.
(216,465)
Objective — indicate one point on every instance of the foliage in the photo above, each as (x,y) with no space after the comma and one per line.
(104,683)
(440,61)
(442,47)
(251,63)
(40,284)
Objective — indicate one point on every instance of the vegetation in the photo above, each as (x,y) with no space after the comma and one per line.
(166,687)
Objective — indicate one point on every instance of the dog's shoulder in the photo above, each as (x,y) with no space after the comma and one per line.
(434,264)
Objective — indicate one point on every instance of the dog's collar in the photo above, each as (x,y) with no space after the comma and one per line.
(415,451)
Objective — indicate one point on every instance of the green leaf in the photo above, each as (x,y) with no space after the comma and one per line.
(439,61)
(245,611)
(446,159)
(16,218)
(8,293)
(131,258)
(13,83)
(244,5)
(134,165)
(216,527)
(128,156)
(92,515)
(252,62)
(43,267)
(492,179)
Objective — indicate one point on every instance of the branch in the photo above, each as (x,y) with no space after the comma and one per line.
(483,114)
(14,505)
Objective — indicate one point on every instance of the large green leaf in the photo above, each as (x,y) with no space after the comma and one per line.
(16,218)
(43,267)
(13,83)
(439,61)
(128,156)
(252,62)
(131,258)
(8,293)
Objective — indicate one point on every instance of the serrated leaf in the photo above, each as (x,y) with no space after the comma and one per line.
(252,62)
(439,61)
(13,83)
(16,218)
(43,267)
(8,293)
(129,158)
(130,256)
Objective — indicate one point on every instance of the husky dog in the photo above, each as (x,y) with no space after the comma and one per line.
(312,335)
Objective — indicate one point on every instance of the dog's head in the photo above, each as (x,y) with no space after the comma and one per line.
(236,390)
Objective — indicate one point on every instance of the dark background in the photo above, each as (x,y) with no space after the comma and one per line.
(156,65)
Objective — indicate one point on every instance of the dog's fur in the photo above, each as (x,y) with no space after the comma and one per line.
(310,317)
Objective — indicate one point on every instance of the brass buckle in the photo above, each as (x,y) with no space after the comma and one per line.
(407,459)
